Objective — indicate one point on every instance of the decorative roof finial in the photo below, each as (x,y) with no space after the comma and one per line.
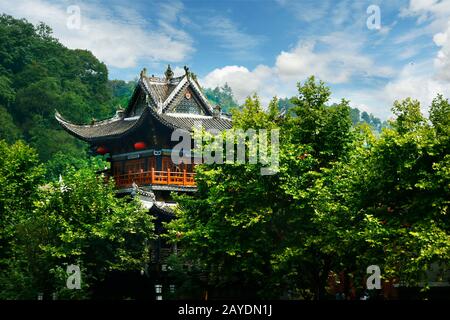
(120,112)
(169,73)
(217,110)
(144,72)
(186,71)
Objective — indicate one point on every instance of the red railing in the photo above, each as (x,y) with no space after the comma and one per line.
(182,178)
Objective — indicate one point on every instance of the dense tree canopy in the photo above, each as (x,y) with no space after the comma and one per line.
(350,191)
(343,200)
(38,75)
(78,220)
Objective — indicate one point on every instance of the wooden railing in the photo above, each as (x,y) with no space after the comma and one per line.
(152,177)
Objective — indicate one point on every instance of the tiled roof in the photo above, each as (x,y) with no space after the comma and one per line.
(159,91)
(112,128)
(175,99)
(116,127)
(187,121)
(166,93)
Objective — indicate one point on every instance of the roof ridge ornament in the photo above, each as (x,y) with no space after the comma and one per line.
(144,72)
(168,73)
(120,112)
(217,110)
(186,71)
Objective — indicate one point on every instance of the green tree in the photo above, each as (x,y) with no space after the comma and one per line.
(243,227)
(343,199)
(222,96)
(440,116)
(7,93)
(285,103)
(226,227)
(122,91)
(8,130)
(355,115)
(324,129)
(20,176)
(404,195)
(79,220)
(52,141)
(39,75)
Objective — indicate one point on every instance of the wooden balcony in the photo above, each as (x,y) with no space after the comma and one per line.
(156,178)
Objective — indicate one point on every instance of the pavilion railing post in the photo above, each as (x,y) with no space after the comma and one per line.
(153,175)
(184,177)
(168,176)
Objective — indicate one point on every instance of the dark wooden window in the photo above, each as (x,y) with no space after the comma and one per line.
(117,168)
(134,166)
(168,164)
(151,163)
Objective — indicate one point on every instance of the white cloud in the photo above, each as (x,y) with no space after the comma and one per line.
(427,9)
(423,81)
(340,61)
(442,60)
(242,81)
(415,81)
(408,52)
(119,36)
(338,58)
(178,71)
(341,66)
(434,12)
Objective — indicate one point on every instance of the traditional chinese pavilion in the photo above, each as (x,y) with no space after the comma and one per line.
(137,140)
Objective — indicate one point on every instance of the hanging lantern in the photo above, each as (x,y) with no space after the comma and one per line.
(140,145)
(102,150)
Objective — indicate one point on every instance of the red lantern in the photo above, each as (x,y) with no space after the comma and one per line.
(102,150)
(140,145)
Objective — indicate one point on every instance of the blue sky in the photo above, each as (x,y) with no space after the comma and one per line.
(266,46)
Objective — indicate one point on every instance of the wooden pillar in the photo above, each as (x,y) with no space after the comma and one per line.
(168,176)
(153,175)
(184,177)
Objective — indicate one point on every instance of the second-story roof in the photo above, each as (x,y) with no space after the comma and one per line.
(177,103)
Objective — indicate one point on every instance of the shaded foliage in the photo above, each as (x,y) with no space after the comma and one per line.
(79,220)
(343,199)
(38,75)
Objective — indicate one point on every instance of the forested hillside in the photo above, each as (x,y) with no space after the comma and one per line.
(39,75)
